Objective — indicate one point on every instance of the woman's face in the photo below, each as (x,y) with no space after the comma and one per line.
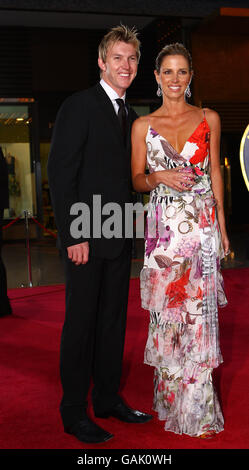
(174,76)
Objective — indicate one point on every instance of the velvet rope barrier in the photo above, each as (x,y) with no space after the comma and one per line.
(44,228)
(12,222)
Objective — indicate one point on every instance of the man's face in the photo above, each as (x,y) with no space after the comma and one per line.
(120,67)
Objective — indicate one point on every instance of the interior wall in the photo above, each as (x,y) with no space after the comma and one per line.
(221,67)
(221,71)
(59,60)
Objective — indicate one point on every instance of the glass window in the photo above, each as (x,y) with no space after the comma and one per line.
(15,141)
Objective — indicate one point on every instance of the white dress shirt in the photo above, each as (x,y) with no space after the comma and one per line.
(112,94)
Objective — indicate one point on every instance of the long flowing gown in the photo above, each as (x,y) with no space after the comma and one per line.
(182,286)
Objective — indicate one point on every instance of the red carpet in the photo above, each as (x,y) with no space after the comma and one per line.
(30,385)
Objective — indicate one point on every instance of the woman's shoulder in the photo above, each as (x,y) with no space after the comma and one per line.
(141,124)
(211,116)
(210,113)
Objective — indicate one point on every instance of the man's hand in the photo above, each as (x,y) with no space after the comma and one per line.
(79,254)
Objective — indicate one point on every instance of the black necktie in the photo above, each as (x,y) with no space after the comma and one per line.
(122,116)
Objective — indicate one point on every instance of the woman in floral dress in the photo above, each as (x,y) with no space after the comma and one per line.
(181,282)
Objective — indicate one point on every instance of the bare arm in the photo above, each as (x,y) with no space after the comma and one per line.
(174,178)
(215,173)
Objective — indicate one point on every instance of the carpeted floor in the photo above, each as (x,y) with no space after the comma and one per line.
(30,383)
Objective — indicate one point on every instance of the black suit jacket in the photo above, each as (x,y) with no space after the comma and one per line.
(88,157)
(4,190)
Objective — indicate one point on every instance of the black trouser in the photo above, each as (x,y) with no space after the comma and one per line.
(5,307)
(93,334)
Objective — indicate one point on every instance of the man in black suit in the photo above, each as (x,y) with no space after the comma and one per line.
(89,158)
(5,308)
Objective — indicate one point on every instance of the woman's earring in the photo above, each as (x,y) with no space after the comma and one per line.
(159,90)
(188,91)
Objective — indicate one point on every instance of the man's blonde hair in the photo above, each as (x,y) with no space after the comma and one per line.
(119,33)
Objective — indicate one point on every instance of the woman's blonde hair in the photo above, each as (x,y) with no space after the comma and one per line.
(119,33)
(173,49)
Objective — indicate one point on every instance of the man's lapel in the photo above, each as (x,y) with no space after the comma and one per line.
(129,124)
(108,110)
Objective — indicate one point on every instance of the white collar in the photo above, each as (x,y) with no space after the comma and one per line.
(109,91)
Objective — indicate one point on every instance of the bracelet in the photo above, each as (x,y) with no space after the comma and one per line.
(147,182)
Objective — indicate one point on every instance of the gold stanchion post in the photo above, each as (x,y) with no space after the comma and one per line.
(30,283)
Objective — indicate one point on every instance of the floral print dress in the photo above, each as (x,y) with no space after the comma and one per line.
(182,286)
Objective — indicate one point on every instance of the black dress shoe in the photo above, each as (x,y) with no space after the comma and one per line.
(126,414)
(87,431)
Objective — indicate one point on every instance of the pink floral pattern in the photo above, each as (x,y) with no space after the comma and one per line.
(181,286)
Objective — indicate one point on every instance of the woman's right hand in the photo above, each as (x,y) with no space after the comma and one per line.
(180,178)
